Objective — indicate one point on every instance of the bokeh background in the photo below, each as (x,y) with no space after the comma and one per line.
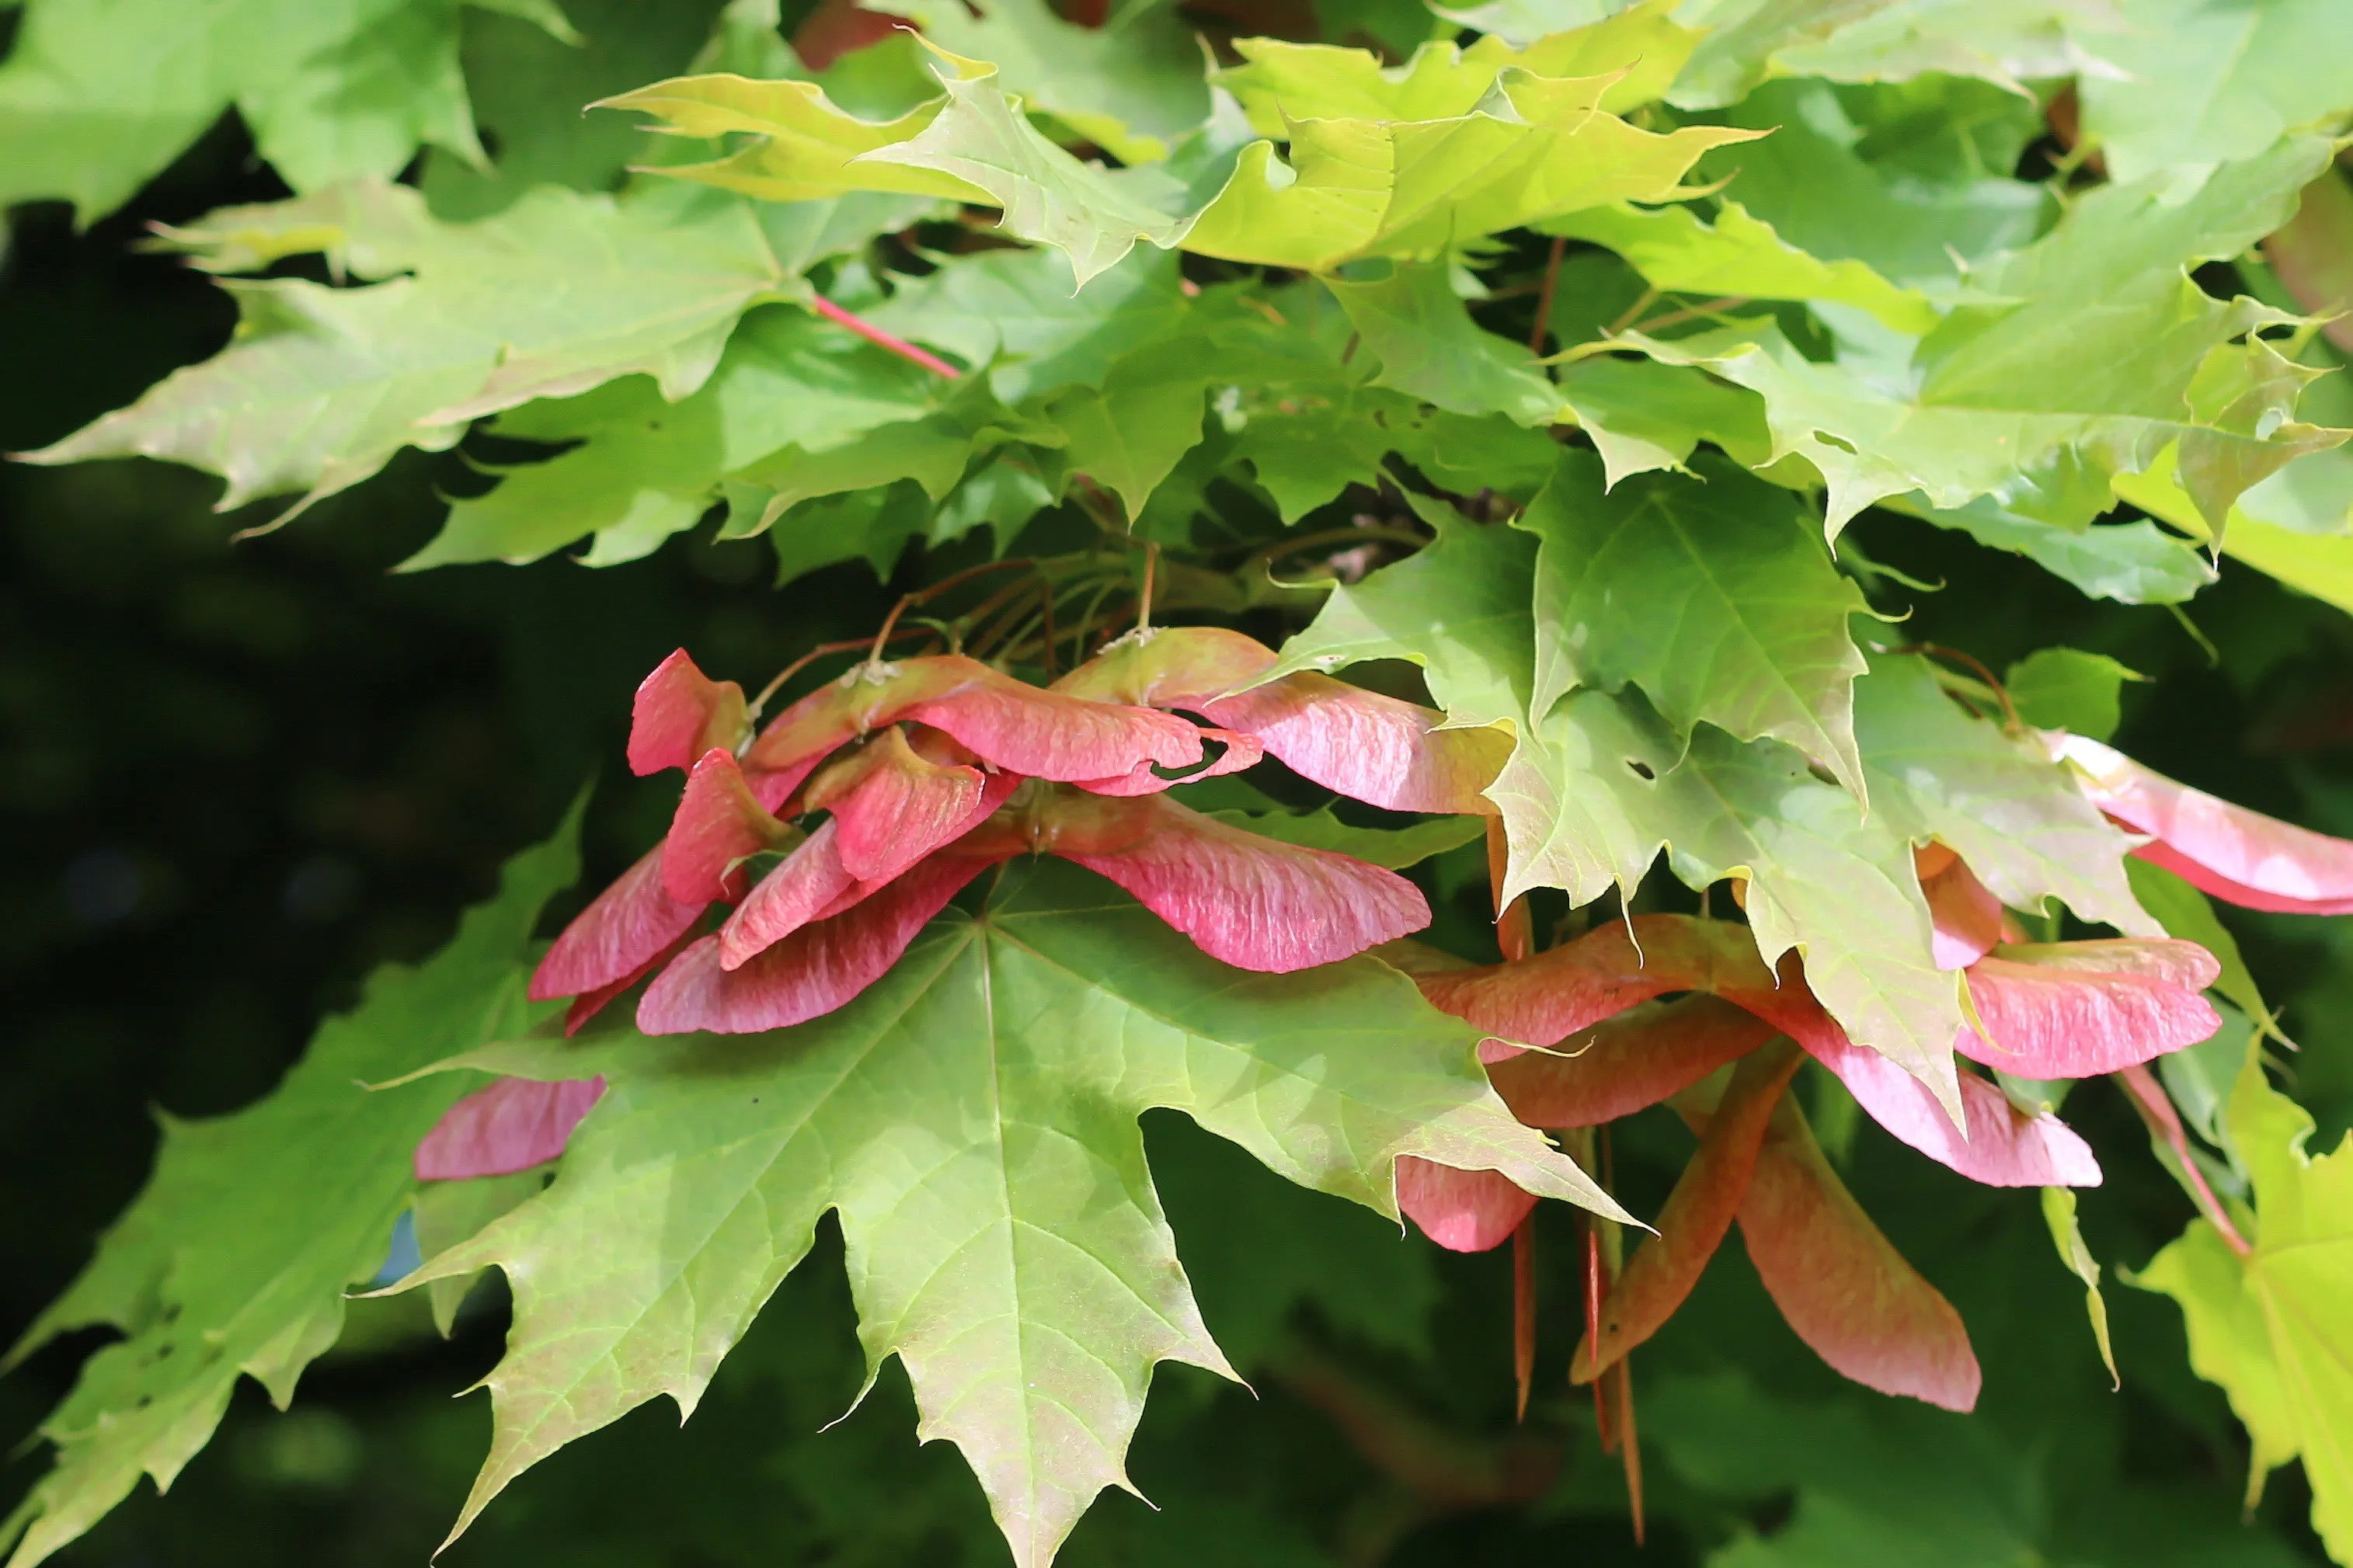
(234,777)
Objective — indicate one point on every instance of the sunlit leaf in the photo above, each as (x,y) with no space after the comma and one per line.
(963,1119)
(2200,84)
(2270,1326)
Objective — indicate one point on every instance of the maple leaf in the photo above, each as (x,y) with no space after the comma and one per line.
(2134,562)
(1814,182)
(234,1260)
(322,385)
(971,1119)
(1939,776)
(1597,786)
(2067,689)
(2198,84)
(94,101)
(1018,313)
(1426,345)
(1522,146)
(2266,1321)
(1131,86)
(1737,255)
(645,468)
(2002,41)
(1712,597)
(1991,406)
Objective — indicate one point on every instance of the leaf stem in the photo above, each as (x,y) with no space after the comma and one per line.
(881,339)
(1104,590)
(1524,1310)
(1972,663)
(1354,535)
(1689,314)
(1544,297)
(1642,302)
(2164,1122)
(1144,596)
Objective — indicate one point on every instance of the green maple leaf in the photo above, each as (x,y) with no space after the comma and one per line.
(234,1260)
(2133,563)
(1996,799)
(97,99)
(1020,314)
(2109,356)
(2006,42)
(1529,146)
(1824,878)
(1737,255)
(557,294)
(1641,48)
(934,451)
(527,86)
(1426,344)
(971,1119)
(873,524)
(1128,435)
(1642,415)
(2293,524)
(1533,147)
(1644,39)
(645,468)
(2067,689)
(2202,84)
(1131,86)
(1596,786)
(1811,179)
(2270,1327)
(1306,452)
(1712,595)
(1459,607)
(981,146)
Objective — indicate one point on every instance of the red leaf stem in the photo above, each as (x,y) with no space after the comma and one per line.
(2149,1098)
(881,339)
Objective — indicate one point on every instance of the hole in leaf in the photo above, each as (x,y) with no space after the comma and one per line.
(1640,768)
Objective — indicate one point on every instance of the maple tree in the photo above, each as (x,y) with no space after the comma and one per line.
(1335,468)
